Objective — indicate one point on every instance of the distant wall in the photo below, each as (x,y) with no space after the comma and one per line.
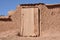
(10,23)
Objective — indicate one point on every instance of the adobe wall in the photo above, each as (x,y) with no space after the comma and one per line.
(50,20)
(43,19)
(13,24)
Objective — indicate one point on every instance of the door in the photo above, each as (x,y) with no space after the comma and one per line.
(29,22)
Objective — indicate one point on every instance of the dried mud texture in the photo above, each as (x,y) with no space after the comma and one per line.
(30,38)
(50,21)
(49,24)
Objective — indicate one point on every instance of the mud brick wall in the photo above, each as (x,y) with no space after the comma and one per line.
(50,20)
(10,23)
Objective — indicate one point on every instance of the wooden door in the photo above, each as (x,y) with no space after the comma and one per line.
(29,22)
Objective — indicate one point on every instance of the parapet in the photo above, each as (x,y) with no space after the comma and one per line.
(31,4)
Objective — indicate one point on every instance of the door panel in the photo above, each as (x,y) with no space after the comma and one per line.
(29,22)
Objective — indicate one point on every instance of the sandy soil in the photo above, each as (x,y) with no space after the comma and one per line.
(30,38)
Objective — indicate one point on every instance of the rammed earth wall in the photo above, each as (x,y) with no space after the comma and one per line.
(44,20)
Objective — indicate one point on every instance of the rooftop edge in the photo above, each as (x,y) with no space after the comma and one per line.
(39,4)
(31,4)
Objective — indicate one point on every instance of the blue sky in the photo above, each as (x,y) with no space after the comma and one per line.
(7,5)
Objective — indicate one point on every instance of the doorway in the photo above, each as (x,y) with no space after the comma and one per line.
(29,22)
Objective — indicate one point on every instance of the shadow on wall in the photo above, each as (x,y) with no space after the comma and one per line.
(6,19)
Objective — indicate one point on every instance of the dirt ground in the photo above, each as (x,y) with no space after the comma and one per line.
(13,35)
(31,38)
